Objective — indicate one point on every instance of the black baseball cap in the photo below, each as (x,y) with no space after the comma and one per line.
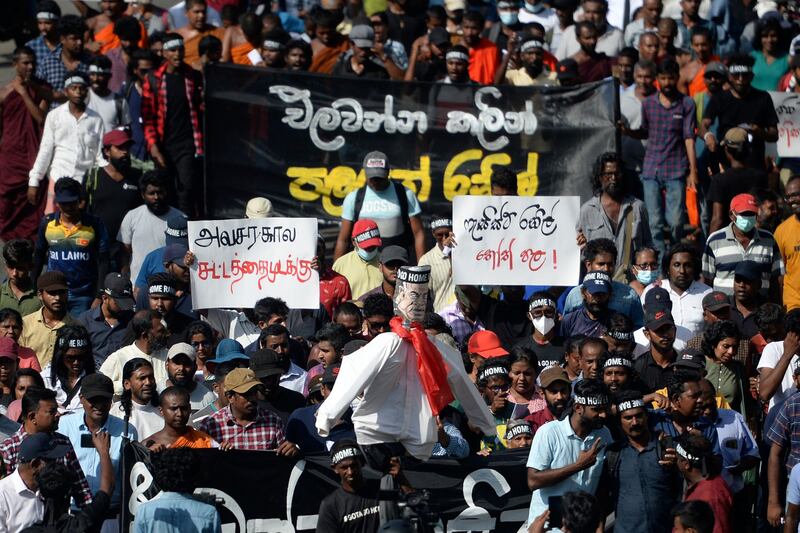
(657,296)
(655,318)
(67,190)
(97,386)
(394,254)
(41,446)
(690,358)
(715,300)
(749,270)
(120,289)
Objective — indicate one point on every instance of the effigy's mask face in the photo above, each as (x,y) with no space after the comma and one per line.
(411,292)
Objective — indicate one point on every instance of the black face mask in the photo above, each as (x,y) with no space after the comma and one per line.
(121,163)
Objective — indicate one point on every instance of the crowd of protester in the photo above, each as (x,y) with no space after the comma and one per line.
(660,394)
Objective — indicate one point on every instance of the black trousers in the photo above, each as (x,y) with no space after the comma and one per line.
(187,173)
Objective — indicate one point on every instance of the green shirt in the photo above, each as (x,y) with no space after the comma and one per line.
(27,304)
(728,381)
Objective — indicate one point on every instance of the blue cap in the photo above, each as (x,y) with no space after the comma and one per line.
(749,270)
(41,446)
(174,253)
(177,231)
(597,281)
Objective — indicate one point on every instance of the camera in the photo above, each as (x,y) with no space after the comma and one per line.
(415,513)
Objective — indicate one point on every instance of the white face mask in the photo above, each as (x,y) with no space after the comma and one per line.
(544,324)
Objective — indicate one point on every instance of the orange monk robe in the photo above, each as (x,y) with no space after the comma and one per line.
(193,439)
(109,40)
(239,54)
(483,61)
(698,84)
(325,58)
(192,53)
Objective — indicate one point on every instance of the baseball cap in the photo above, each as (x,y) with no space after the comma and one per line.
(258,207)
(376,164)
(657,296)
(439,37)
(67,190)
(655,318)
(597,281)
(394,254)
(553,374)
(181,348)
(715,300)
(52,280)
(567,70)
(174,253)
(9,348)
(97,386)
(41,446)
(241,380)
(735,138)
(690,358)
(330,374)
(120,289)
(117,137)
(366,233)
(486,344)
(744,203)
(715,67)
(749,270)
(177,231)
(265,363)
(362,36)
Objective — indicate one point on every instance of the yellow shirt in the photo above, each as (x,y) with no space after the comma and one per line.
(37,336)
(722,403)
(787,235)
(362,275)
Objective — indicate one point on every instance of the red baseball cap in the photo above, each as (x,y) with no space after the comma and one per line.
(366,234)
(743,203)
(9,348)
(486,344)
(119,137)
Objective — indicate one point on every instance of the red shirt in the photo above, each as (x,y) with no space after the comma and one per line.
(539,418)
(334,289)
(715,492)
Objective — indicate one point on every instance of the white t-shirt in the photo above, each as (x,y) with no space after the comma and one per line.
(106,107)
(769,359)
(382,207)
(144,232)
(145,418)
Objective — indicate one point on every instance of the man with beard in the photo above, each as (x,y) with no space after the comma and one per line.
(788,238)
(428,63)
(107,324)
(272,48)
(670,164)
(613,213)
(645,485)
(142,229)
(742,104)
(568,455)
(655,367)
(22,113)
(138,404)
(556,388)
(268,367)
(181,366)
(297,55)
(592,65)
(162,297)
(392,258)
(609,40)
(590,319)
(275,337)
(646,24)
(113,190)
(746,298)
(150,334)
(544,340)
(197,28)
(39,329)
(769,209)
(175,408)
(112,108)
(129,32)
(532,71)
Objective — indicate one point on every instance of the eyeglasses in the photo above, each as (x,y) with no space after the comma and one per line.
(499,388)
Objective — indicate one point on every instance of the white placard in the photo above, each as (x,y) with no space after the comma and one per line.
(787,107)
(241,261)
(516,240)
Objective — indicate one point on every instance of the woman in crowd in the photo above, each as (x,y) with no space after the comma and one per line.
(770,53)
(720,343)
(26,377)
(72,361)
(645,269)
(523,373)
(11,326)
(201,337)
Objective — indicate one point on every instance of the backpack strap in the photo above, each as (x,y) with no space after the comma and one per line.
(359,202)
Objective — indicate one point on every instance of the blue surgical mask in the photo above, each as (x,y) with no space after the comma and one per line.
(365,255)
(534,8)
(509,18)
(646,277)
(746,224)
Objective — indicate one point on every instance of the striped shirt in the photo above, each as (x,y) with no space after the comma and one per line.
(785,431)
(723,252)
(441,285)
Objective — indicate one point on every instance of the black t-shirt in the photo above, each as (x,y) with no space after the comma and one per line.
(725,185)
(285,403)
(755,108)
(178,131)
(433,70)
(372,70)
(345,512)
(507,319)
(110,200)
(89,520)
(551,354)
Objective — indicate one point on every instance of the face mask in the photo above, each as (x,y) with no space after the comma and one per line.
(365,255)
(746,224)
(646,277)
(509,18)
(544,324)
(534,8)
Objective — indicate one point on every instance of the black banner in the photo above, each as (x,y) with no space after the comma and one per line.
(262,492)
(300,139)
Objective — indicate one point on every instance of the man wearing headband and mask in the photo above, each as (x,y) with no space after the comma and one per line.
(439,259)
(644,483)
(407,378)
(703,482)
(532,71)
(568,455)
(361,266)
(544,340)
